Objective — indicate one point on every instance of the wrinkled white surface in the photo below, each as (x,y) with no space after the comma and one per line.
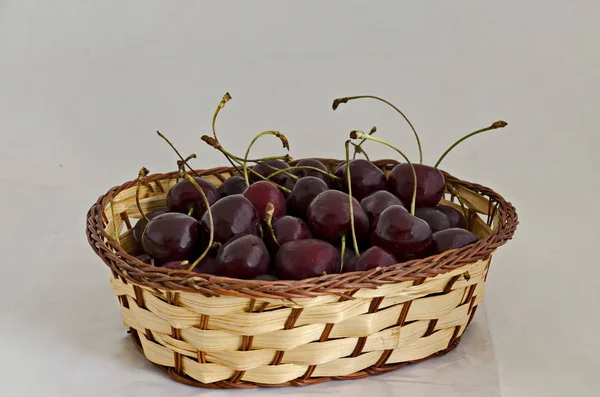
(84,85)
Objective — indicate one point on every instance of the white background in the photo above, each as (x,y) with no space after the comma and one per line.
(85,85)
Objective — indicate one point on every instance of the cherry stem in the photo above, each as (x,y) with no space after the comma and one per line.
(181,164)
(284,142)
(190,211)
(279,171)
(342,252)
(497,124)
(270,209)
(226,98)
(337,102)
(210,220)
(215,144)
(112,212)
(285,171)
(141,176)
(177,152)
(359,134)
(347,146)
(358,147)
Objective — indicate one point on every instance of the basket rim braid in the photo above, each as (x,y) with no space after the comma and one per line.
(344,285)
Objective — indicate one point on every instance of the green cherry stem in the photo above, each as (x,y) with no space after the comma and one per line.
(497,124)
(268,221)
(337,102)
(177,152)
(358,147)
(342,252)
(226,98)
(215,144)
(210,220)
(347,146)
(282,138)
(141,176)
(359,135)
(282,170)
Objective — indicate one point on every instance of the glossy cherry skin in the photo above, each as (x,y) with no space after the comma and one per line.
(401,234)
(263,169)
(435,218)
(287,228)
(232,215)
(184,196)
(328,217)
(430,184)
(375,203)
(245,257)
(303,193)
(171,236)
(448,239)
(455,217)
(208,265)
(366,178)
(302,259)
(262,193)
(233,185)
(370,259)
(303,172)
(138,229)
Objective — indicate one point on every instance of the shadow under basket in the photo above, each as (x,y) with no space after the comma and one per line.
(220,332)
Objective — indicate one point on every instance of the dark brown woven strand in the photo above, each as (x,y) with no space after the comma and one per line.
(130,268)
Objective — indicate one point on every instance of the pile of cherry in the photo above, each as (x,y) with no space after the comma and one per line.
(276,221)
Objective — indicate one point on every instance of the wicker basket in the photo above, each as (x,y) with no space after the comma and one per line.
(227,333)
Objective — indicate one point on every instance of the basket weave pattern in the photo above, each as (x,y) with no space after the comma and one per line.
(218,332)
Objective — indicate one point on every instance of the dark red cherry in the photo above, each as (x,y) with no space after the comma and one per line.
(245,257)
(366,178)
(302,259)
(375,203)
(287,228)
(138,229)
(403,235)
(263,169)
(455,217)
(303,172)
(448,239)
(370,259)
(303,193)
(430,184)
(171,236)
(208,265)
(184,196)
(328,217)
(435,218)
(232,215)
(262,193)
(234,185)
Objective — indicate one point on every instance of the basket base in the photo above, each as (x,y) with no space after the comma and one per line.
(296,382)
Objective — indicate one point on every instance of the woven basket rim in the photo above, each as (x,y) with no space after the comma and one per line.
(344,285)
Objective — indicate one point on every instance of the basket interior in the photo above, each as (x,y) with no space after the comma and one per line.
(488,216)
